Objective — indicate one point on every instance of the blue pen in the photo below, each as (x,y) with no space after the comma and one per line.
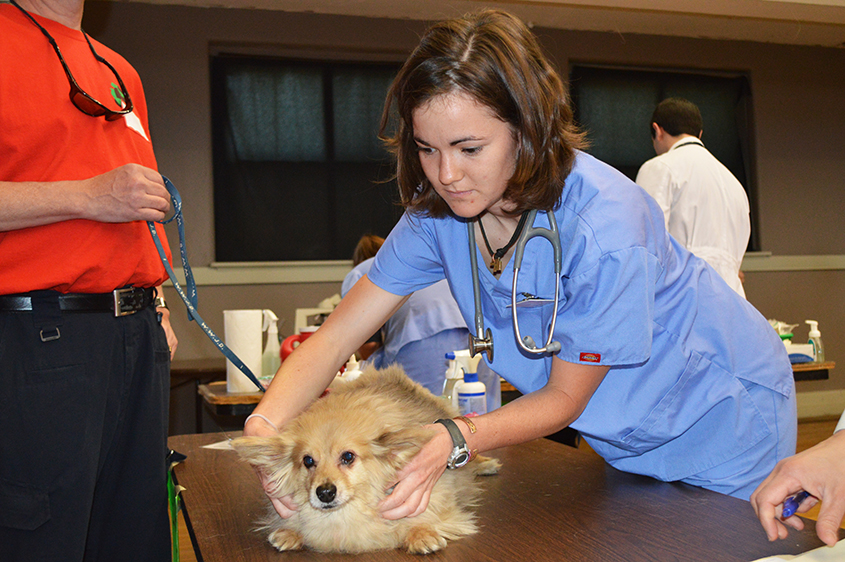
(791,504)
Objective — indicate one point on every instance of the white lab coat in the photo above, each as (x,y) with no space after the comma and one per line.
(705,206)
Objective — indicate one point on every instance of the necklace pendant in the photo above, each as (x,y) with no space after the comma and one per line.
(496,265)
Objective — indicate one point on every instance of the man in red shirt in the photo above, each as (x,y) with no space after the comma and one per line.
(85,339)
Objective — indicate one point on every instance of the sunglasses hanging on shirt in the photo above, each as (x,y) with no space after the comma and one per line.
(82,100)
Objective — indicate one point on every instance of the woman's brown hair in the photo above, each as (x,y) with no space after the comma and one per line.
(493,57)
(366,248)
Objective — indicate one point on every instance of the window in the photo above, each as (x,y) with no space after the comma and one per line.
(299,173)
(614,105)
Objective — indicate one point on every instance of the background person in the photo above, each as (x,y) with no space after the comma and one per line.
(85,393)
(421,332)
(366,248)
(705,207)
(485,132)
(820,470)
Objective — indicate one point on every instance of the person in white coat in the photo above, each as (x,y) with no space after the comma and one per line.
(705,207)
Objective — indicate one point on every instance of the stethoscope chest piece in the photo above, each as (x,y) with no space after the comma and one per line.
(481,345)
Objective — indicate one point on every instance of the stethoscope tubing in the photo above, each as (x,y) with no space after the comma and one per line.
(553,236)
(482,341)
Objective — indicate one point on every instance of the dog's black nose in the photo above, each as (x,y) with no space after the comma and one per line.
(326,493)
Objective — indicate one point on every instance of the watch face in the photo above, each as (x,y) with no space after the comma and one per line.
(461,459)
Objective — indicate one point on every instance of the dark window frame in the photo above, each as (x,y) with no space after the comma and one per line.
(329,229)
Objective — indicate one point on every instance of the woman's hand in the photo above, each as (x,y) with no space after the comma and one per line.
(414,483)
(259,426)
(529,417)
(284,505)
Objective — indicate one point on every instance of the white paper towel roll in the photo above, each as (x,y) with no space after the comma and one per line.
(242,333)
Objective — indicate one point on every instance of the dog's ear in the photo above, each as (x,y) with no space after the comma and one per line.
(272,457)
(397,447)
(260,452)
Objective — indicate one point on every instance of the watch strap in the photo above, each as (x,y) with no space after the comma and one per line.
(454,432)
(460,454)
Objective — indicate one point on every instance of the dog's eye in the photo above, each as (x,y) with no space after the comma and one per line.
(347,457)
(308,461)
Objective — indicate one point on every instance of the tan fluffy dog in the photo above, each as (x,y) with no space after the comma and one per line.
(339,457)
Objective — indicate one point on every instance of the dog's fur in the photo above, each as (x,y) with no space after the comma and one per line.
(338,458)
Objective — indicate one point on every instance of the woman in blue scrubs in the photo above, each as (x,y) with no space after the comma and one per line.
(663,368)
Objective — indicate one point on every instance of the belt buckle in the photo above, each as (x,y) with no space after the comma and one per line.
(127,301)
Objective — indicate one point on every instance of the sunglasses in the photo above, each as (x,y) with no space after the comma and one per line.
(82,100)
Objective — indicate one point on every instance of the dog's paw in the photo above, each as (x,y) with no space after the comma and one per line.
(487,466)
(423,540)
(285,539)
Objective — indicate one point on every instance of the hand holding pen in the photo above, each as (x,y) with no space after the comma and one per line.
(798,483)
(790,506)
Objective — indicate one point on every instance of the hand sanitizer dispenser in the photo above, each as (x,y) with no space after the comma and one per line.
(816,341)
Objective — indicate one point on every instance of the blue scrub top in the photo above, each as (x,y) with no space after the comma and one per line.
(680,343)
(428,312)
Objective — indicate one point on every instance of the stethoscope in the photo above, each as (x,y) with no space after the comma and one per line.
(479,344)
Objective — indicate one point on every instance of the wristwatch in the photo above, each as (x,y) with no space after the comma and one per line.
(460,454)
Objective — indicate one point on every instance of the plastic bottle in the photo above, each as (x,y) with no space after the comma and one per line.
(454,378)
(472,396)
(466,364)
(472,393)
(270,359)
(352,370)
(816,341)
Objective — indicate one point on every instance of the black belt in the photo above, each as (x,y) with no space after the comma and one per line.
(121,302)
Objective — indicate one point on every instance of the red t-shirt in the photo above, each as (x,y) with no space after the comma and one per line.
(43,137)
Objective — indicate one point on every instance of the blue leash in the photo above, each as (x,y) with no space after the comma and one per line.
(190,299)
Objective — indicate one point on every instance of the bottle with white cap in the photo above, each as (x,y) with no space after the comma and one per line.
(353,369)
(472,393)
(816,341)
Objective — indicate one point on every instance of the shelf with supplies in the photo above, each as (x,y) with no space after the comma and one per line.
(812,371)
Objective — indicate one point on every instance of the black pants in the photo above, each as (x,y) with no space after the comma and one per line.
(83,439)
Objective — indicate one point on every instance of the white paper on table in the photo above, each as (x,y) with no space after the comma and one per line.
(222,445)
(834,553)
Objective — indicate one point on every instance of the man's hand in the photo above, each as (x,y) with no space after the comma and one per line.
(172,342)
(128,193)
(819,471)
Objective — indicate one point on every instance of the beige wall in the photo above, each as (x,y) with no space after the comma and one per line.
(799,120)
